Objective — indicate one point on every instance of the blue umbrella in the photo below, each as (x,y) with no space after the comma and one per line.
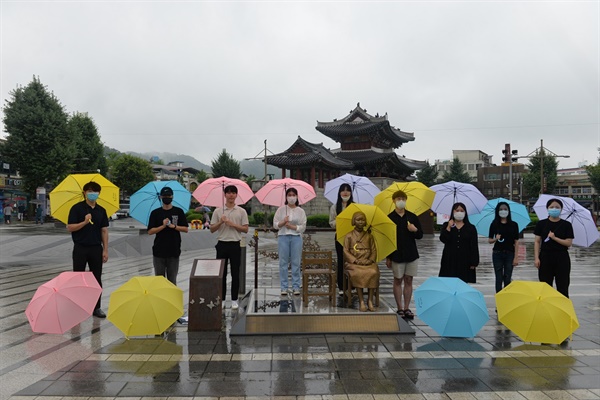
(146,199)
(483,220)
(451,307)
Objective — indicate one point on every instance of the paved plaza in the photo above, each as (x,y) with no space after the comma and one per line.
(94,360)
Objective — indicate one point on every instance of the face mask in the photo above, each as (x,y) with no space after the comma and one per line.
(167,200)
(554,212)
(459,215)
(503,213)
(345,198)
(93,196)
(401,204)
(292,199)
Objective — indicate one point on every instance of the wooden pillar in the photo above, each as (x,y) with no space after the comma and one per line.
(282,173)
(312,176)
(298,174)
(321,185)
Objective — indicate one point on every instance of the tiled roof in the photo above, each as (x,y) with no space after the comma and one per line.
(313,154)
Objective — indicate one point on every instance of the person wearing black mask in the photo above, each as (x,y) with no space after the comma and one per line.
(167,222)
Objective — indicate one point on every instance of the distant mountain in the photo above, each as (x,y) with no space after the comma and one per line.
(257,168)
(248,167)
(187,161)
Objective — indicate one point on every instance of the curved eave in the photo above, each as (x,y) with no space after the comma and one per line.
(305,160)
(383,128)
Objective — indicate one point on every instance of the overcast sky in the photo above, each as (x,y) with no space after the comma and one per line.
(196,77)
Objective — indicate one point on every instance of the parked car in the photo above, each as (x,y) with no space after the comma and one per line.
(122,213)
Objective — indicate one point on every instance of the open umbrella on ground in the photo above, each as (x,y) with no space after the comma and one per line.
(70,192)
(483,220)
(273,193)
(536,312)
(147,199)
(210,192)
(145,305)
(584,227)
(63,302)
(382,227)
(363,190)
(451,307)
(446,194)
(420,197)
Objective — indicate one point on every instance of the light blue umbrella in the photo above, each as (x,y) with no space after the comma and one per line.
(146,199)
(451,307)
(483,220)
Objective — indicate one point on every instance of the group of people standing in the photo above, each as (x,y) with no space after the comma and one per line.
(88,224)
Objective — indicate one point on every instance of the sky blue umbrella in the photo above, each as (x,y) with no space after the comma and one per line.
(142,202)
(483,220)
(451,307)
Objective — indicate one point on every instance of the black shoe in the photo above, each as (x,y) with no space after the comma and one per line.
(99,313)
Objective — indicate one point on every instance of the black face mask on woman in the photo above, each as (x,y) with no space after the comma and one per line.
(167,200)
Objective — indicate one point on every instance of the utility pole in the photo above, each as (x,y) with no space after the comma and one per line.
(540,153)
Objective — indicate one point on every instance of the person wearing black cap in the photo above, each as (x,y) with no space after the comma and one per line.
(231,221)
(166,223)
(88,224)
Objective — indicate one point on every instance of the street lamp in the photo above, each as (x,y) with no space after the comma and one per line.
(510,157)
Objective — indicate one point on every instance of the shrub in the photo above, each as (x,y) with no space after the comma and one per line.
(318,220)
(190,216)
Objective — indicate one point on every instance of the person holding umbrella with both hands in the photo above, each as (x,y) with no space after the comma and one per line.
(88,224)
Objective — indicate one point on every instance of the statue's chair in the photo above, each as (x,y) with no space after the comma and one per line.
(318,272)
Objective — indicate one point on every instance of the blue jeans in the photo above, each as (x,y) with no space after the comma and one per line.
(503,266)
(290,251)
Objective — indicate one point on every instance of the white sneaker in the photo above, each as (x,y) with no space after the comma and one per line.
(234,305)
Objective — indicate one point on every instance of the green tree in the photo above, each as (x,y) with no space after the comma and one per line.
(428,175)
(532,180)
(456,173)
(38,143)
(130,173)
(249,179)
(593,172)
(226,165)
(89,156)
(201,176)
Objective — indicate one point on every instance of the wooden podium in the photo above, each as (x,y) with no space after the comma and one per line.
(206,299)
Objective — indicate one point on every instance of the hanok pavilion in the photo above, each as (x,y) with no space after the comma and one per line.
(367,148)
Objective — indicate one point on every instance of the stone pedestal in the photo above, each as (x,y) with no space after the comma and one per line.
(206,297)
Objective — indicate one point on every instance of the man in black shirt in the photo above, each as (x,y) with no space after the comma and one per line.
(167,222)
(404,261)
(88,224)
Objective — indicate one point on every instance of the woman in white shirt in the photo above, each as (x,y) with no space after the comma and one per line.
(290,220)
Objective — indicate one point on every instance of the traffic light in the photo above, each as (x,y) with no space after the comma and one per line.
(508,155)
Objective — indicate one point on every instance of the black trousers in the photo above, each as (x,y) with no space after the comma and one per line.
(556,266)
(339,251)
(230,252)
(92,256)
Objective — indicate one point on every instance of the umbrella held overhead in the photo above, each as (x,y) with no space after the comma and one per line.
(147,199)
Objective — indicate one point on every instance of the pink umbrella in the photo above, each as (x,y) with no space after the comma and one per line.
(63,302)
(273,193)
(210,192)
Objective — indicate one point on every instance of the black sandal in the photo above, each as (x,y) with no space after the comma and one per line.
(400,313)
(408,314)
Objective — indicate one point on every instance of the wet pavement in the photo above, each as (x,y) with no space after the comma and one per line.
(94,359)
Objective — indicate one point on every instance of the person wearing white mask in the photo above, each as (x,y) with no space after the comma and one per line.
(344,199)
(460,256)
(290,220)
(504,234)
(404,261)
(553,237)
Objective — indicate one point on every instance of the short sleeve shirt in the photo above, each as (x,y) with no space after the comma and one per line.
(509,232)
(167,242)
(90,234)
(562,229)
(226,233)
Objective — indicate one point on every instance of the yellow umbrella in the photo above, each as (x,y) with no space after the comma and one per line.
(420,197)
(145,305)
(382,228)
(536,312)
(70,192)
